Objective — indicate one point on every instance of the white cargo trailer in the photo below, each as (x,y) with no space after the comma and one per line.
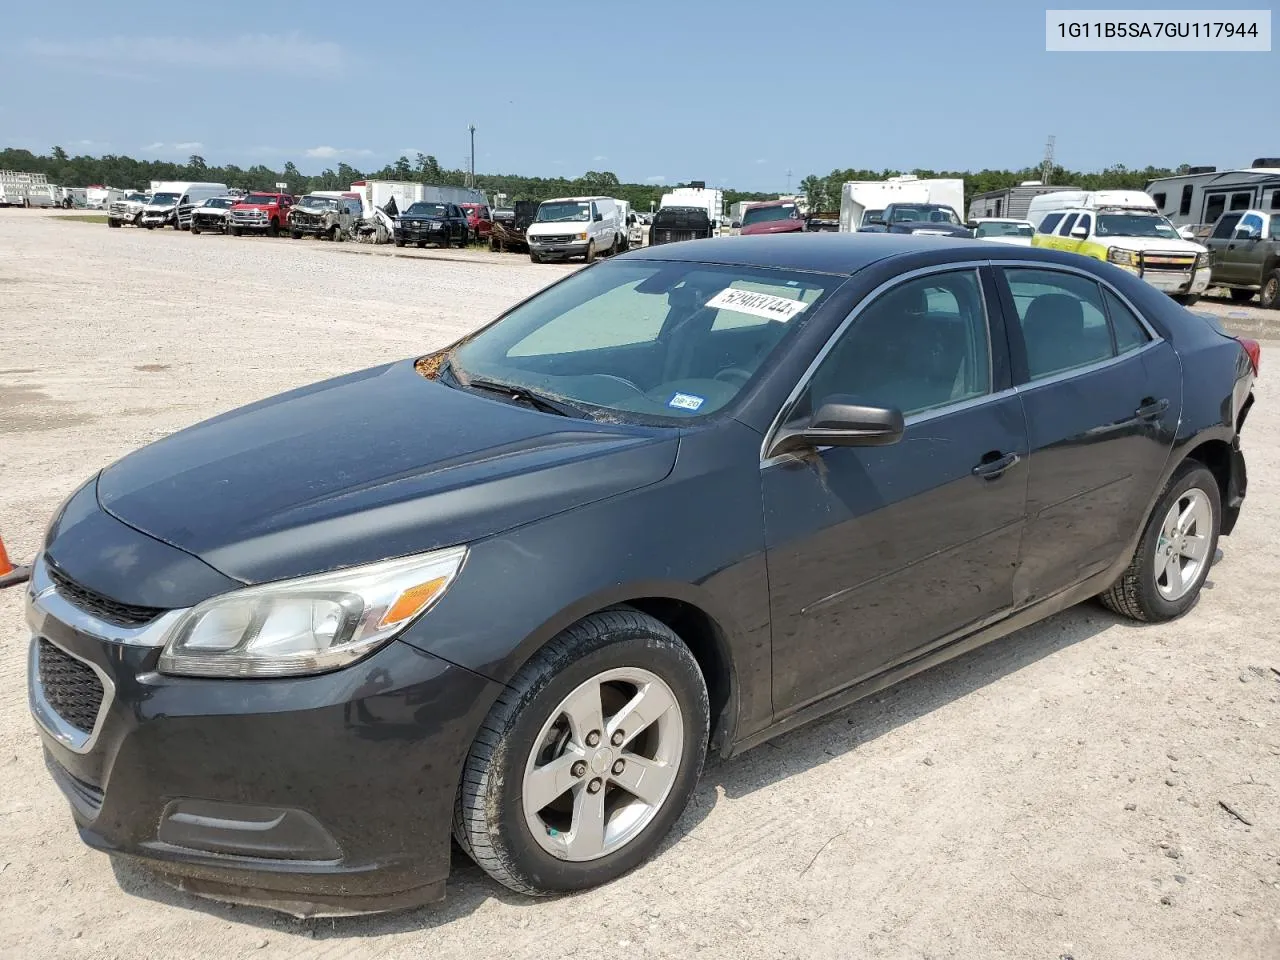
(859,198)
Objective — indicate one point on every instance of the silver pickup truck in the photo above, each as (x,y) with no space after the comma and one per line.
(1244,247)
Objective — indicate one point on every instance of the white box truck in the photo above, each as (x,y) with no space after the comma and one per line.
(863,200)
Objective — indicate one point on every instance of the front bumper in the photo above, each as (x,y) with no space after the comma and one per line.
(158,219)
(572,248)
(317,796)
(421,234)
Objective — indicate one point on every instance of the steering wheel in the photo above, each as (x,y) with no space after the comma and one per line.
(734,373)
(622,380)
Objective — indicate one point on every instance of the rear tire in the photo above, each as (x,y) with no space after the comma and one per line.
(1147,590)
(336,234)
(114,224)
(1241,296)
(399,241)
(1270,295)
(195,231)
(1186,299)
(295,234)
(584,686)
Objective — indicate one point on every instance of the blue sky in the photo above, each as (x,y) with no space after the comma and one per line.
(734,93)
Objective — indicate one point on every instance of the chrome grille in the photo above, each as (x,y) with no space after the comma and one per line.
(102,607)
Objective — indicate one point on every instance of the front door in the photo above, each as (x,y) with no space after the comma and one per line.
(1102,397)
(874,553)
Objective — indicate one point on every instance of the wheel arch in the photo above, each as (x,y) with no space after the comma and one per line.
(699,622)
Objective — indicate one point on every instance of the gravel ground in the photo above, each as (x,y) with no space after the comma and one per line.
(1062,792)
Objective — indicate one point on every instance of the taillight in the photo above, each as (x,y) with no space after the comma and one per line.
(1254,350)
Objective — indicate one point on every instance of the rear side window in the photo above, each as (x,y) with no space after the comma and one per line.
(1241,201)
(1129,331)
(1227,224)
(1067,224)
(1063,320)
(1049,222)
(1159,198)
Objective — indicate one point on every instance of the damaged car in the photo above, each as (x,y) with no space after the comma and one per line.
(323,217)
(211,216)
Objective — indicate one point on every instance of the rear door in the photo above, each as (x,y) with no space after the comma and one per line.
(1102,394)
(1225,266)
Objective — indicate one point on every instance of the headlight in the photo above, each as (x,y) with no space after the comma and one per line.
(308,625)
(1202,259)
(1125,258)
(582,236)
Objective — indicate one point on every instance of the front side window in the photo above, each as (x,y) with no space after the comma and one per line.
(1085,222)
(647,341)
(1063,320)
(919,346)
(1250,226)
(1067,224)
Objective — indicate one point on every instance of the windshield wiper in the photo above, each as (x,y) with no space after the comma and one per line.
(531,397)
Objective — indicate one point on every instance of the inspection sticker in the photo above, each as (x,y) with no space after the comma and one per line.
(686,401)
(764,305)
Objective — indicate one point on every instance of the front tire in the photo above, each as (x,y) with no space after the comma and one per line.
(587,759)
(195,230)
(1186,299)
(1177,548)
(1240,296)
(591,252)
(236,231)
(295,234)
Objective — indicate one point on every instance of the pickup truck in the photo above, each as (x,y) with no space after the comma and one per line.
(927,218)
(1244,251)
(265,212)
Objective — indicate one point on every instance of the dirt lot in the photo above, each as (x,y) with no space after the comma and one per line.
(1059,793)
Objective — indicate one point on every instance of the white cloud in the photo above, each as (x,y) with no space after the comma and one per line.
(762,161)
(189,145)
(654,179)
(599,159)
(330,153)
(265,53)
(154,146)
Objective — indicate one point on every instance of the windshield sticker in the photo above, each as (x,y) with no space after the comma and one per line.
(764,305)
(686,401)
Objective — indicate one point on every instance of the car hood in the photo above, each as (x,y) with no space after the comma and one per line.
(256,206)
(418,218)
(371,465)
(773,226)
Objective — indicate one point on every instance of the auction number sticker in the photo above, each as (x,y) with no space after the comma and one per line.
(1236,31)
(765,305)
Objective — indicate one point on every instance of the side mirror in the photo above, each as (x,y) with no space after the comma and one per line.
(1079,232)
(874,222)
(840,422)
(972,224)
(736,225)
(599,217)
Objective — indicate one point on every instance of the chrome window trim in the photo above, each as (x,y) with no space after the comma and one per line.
(850,318)
(44,600)
(1073,372)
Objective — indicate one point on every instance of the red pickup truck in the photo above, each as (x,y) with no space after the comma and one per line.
(261,212)
(479,220)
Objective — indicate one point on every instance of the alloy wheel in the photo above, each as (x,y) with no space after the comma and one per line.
(1182,549)
(603,764)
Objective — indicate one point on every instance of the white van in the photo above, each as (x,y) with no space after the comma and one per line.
(576,227)
(173,200)
(1125,228)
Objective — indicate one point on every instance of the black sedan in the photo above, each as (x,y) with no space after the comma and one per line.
(443,224)
(514,592)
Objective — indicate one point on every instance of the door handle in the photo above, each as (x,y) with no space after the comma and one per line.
(994,464)
(1151,408)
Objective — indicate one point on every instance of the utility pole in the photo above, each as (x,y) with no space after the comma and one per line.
(788,181)
(1046,166)
(471,179)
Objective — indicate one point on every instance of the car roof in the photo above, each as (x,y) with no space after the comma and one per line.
(837,253)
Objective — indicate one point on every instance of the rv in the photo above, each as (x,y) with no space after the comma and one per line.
(376,194)
(1198,198)
(864,200)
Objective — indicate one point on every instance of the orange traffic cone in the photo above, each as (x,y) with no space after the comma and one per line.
(9,574)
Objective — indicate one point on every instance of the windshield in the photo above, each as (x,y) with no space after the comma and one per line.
(138,196)
(916,214)
(1135,225)
(223,202)
(872,215)
(324,203)
(165,199)
(426,210)
(1004,230)
(649,341)
(261,198)
(767,214)
(564,211)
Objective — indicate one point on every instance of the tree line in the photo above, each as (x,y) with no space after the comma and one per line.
(823,193)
